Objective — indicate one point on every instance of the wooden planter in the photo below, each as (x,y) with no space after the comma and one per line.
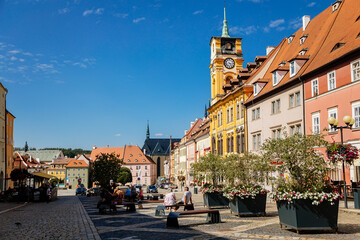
(249,206)
(302,215)
(215,199)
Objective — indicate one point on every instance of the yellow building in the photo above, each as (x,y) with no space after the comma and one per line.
(9,147)
(58,168)
(228,94)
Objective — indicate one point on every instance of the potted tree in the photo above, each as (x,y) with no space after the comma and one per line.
(211,167)
(245,174)
(304,197)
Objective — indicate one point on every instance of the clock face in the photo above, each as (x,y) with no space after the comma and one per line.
(229,63)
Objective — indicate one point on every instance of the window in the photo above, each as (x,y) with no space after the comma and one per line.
(291,100)
(242,110)
(256,113)
(256,89)
(237,111)
(356,114)
(302,39)
(355,70)
(231,114)
(145,167)
(314,87)
(298,129)
(256,141)
(145,174)
(332,112)
(253,114)
(298,99)
(316,123)
(276,133)
(275,106)
(227,115)
(275,82)
(292,68)
(331,80)
(292,130)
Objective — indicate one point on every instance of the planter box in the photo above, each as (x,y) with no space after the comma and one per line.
(249,206)
(302,215)
(215,199)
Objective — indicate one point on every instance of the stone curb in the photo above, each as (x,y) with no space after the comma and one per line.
(89,224)
(350,210)
(10,209)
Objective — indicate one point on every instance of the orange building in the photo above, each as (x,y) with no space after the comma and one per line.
(332,82)
(9,148)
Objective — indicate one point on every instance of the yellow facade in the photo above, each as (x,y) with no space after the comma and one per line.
(9,147)
(57,170)
(227,112)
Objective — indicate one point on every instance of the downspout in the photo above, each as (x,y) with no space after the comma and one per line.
(303,97)
(6,160)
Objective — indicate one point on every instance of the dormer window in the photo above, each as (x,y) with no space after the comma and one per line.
(256,89)
(290,38)
(143,160)
(128,160)
(336,5)
(302,39)
(303,51)
(136,160)
(282,63)
(275,79)
(292,68)
(337,46)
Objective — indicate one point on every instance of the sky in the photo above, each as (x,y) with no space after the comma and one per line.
(83,72)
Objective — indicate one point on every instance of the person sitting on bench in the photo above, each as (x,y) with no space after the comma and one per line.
(106,199)
(170,199)
(186,199)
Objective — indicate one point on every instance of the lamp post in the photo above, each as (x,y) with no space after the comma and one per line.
(349,121)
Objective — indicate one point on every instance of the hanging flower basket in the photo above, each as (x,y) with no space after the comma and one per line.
(336,153)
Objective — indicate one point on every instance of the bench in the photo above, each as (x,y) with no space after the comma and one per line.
(213,216)
(104,207)
(130,206)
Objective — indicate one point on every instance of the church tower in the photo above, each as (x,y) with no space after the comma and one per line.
(226,61)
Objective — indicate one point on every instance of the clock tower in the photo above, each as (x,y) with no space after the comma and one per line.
(226,61)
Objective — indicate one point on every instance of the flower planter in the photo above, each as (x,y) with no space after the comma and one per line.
(215,199)
(249,206)
(302,215)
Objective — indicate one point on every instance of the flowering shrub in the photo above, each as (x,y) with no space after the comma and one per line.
(208,188)
(244,192)
(336,152)
(181,178)
(316,197)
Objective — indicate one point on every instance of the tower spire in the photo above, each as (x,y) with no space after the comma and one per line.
(225,30)
(148,131)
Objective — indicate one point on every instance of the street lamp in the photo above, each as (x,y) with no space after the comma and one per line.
(349,121)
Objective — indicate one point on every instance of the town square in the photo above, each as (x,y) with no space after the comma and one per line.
(159,119)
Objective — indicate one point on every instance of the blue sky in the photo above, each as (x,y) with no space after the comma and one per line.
(86,72)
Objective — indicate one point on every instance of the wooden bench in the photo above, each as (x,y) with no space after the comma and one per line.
(213,216)
(160,210)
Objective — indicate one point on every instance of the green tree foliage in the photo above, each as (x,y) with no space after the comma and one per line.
(106,167)
(125,175)
(211,165)
(298,157)
(26,148)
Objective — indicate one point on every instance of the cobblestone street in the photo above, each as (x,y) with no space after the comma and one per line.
(72,217)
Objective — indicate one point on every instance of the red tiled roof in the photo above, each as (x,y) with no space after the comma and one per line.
(76,163)
(134,155)
(119,151)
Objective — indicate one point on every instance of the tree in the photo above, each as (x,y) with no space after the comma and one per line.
(26,148)
(210,165)
(106,167)
(125,175)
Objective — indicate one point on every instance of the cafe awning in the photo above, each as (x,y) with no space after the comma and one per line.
(43,175)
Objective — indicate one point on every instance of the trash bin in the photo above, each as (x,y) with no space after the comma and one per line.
(357,198)
(195,191)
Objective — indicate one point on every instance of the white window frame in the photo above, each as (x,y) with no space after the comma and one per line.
(253,114)
(312,87)
(258,113)
(256,89)
(296,99)
(352,69)
(293,100)
(315,128)
(356,117)
(332,112)
(328,80)
(275,78)
(292,68)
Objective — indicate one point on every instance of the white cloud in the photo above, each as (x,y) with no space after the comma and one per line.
(59,82)
(311,4)
(266,29)
(276,23)
(159,134)
(280,28)
(117,135)
(241,30)
(87,12)
(139,19)
(13,58)
(14,51)
(295,23)
(63,11)
(99,11)
(121,15)
(80,64)
(27,54)
(22,60)
(198,12)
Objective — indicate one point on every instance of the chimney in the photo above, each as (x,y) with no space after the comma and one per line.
(94,147)
(305,20)
(269,49)
(185,132)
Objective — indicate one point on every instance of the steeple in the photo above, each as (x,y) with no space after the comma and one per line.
(225,30)
(147,131)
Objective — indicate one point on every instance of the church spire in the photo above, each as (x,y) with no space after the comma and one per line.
(148,131)
(225,30)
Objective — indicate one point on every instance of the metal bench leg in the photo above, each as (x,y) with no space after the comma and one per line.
(213,218)
(172,220)
(160,211)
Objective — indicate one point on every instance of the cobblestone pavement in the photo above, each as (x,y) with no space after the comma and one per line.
(64,218)
(144,225)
